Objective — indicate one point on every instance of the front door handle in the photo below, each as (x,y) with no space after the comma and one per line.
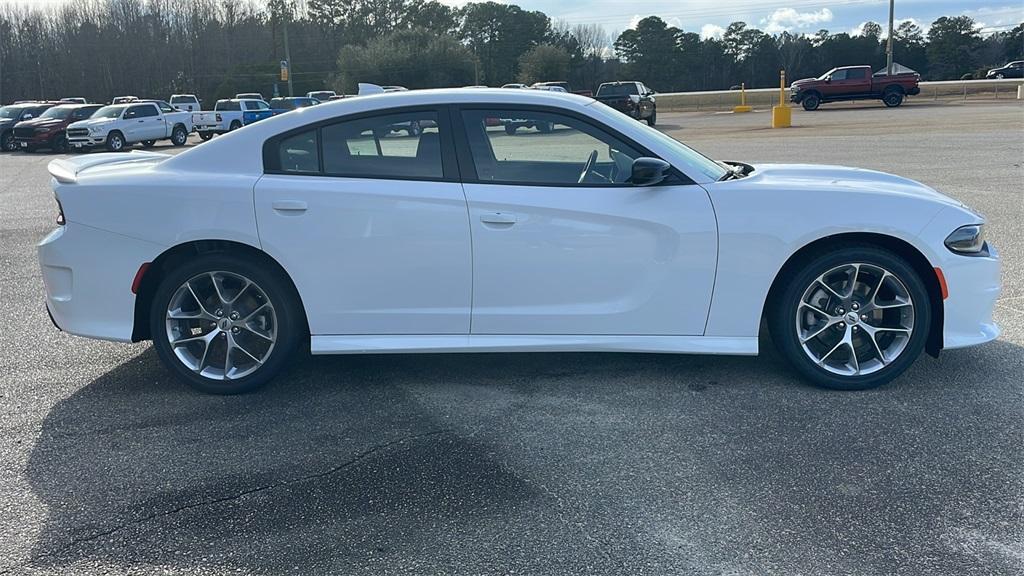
(499,218)
(289,205)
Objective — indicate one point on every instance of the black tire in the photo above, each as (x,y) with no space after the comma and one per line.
(782,316)
(290,327)
(59,144)
(204,136)
(999,76)
(29,149)
(510,129)
(653,118)
(235,125)
(148,143)
(179,136)
(810,102)
(892,98)
(115,142)
(7,143)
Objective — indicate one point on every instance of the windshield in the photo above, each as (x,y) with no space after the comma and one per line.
(183,100)
(826,74)
(227,105)
(10,112)
(60,112)
(693,159)
(617,90)
(109,112)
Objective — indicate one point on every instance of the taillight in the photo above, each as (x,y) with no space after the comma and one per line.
(60,214)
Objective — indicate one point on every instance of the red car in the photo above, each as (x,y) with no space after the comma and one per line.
(855,83)
(48,129)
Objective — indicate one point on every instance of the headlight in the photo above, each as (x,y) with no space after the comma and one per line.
(968,239)
(94,130)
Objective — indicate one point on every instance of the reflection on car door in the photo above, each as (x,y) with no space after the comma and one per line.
(557,251)
(370,222)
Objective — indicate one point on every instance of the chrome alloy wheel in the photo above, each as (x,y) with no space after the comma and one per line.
(221,325)
(855,319)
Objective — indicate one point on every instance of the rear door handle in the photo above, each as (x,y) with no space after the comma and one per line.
(289,205)
(500,218)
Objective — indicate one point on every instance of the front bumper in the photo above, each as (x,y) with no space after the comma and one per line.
(87,275)
(974,285)
(87,142)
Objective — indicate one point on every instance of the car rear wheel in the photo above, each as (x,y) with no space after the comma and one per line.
(852,319)
(224,324)
(204,136)
(893,98)
(653,118)
(179,136)
(811,102)
(115,142)
(235,125)
(999,76)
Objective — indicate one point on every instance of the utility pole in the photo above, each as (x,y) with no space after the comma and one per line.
(888,45)
(288,55)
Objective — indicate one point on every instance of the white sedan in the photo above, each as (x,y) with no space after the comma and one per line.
(335,227)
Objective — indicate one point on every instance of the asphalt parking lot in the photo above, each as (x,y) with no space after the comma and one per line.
(533,464)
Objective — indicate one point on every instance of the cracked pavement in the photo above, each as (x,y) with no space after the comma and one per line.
(532,463)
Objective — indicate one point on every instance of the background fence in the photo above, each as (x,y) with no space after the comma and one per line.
(951,90)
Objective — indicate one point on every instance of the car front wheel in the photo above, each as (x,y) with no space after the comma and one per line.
(224,324)
(115,142)
(852,319)
(811,102)
(7,143)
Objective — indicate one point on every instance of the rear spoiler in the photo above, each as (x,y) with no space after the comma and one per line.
(66,170)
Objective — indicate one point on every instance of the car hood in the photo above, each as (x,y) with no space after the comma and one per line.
(37,122)
(805,81)
(812,177)
(92,122)
(5,122)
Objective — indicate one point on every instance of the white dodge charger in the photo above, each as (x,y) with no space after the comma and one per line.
(418,222)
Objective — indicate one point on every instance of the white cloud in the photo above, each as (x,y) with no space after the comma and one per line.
(786,19)
(711,31)
(670,21)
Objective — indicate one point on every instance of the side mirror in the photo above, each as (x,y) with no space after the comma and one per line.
(649,171)
(828,79)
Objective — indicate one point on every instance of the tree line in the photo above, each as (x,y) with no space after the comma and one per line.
(215,48)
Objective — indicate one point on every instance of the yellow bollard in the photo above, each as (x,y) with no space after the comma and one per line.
(743,100)
(782,115)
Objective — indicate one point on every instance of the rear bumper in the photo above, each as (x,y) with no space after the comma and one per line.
(87,275)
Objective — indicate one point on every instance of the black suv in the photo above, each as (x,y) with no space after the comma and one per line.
(14,113)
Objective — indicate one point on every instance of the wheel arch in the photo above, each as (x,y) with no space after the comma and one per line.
(894,88)
(893,244)
(171,257)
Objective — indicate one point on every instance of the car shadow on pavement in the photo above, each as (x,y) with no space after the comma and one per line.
(438,463)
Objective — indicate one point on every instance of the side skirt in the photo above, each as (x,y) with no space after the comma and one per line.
(388,344)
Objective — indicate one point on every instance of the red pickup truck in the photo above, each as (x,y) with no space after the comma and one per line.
(856,83)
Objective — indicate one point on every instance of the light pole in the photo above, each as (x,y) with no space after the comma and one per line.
(888,44)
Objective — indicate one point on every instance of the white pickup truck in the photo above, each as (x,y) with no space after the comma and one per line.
(230,114)
(120,125)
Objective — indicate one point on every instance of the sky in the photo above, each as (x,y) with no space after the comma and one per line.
(710,17)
